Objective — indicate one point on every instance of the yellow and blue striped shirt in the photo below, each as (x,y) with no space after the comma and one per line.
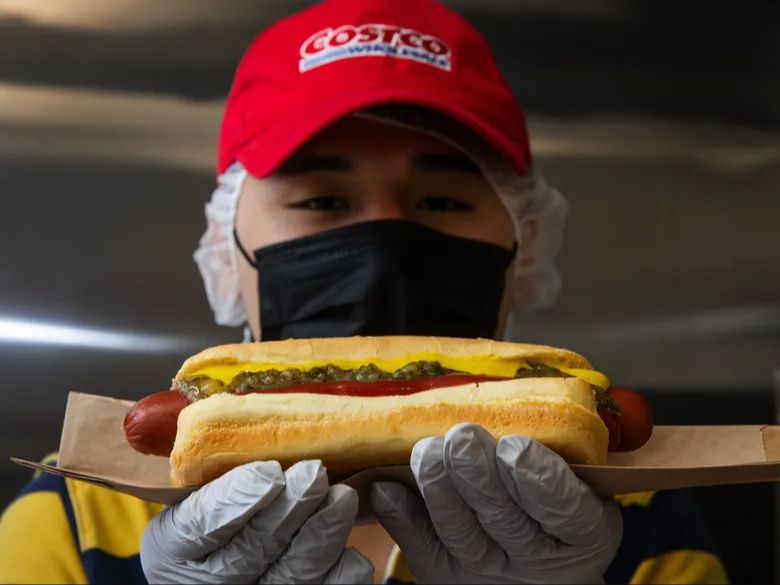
(66,531)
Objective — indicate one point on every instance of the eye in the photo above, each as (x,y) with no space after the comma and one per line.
(445,204)
(322,204)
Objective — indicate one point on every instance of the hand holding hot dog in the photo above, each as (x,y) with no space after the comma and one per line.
(257,524)
(506,511)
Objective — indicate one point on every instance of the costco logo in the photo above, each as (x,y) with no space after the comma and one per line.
(373,40)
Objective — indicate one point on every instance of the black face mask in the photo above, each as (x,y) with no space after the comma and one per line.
(387,277)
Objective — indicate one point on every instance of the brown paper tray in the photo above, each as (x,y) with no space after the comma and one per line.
(93,449)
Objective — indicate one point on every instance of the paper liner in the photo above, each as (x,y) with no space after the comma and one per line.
(93,449)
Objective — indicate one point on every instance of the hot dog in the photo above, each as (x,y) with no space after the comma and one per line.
(358,402)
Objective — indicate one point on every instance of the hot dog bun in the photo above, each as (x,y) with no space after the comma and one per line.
(299,351)
(349,433)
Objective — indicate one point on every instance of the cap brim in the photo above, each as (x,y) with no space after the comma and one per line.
(269,149)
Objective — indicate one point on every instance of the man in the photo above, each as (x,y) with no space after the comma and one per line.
(364,144)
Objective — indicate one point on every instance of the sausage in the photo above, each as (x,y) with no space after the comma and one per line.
(635,419)
(150,426)
(615,434)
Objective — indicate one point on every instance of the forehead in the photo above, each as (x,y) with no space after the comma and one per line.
(355,134)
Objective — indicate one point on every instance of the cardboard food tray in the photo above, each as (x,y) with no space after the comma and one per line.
(93,449)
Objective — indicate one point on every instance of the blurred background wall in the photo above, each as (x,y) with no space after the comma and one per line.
(659,122)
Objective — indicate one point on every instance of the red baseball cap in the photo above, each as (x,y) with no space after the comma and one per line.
(339,56)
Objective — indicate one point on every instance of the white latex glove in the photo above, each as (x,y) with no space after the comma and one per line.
(510,511)
(257,524)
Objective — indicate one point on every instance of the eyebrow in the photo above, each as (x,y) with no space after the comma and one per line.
(445,161)
(300,164)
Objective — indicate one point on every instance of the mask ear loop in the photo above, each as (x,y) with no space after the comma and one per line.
(248,336)
(244,253)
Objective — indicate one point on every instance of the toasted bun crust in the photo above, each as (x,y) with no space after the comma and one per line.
(294,351)
(348,434)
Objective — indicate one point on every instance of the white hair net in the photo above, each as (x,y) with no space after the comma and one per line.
(216,253)
(538,213)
